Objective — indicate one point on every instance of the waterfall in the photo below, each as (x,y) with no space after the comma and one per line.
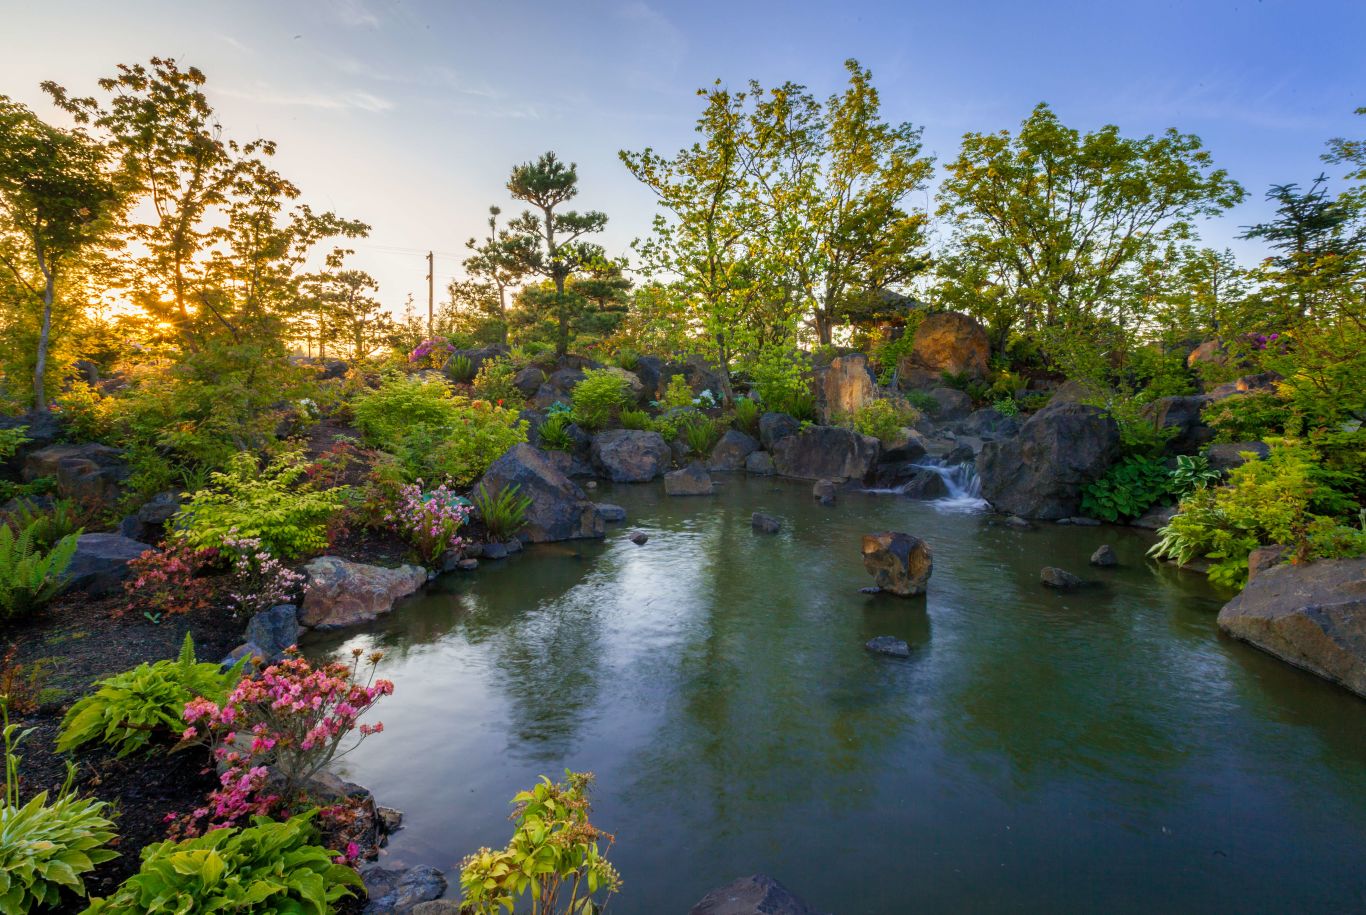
(960,480)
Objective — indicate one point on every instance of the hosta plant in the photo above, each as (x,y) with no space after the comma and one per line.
(555,857)
(141,709)
(267,867)
(30,577)
(1127,490)
(48,844)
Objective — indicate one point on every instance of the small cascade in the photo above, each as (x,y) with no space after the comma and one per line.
(960,481)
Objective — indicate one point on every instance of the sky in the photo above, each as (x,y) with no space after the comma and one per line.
(409,115)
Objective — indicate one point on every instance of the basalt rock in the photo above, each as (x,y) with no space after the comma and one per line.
(774,427)
(559,508)
(754,895)
(765,524)
(825,452)
(630,455)
(946,342)
(1228,456)
(889,645)
(87,473)
(1104,556)
(732,451)
(950,404)
(899,563)
(1058,579)
(845,386)
(1182,413)
(692,480)
(1041,472)
(100,563)
(760,463)
(342,593)
(824,492)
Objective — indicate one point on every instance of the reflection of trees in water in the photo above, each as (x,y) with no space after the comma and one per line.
(772,699)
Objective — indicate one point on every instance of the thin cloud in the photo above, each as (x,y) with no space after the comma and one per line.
(348,100)
(353,14)
(235,44)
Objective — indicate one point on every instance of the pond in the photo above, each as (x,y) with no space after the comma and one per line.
(1101,750)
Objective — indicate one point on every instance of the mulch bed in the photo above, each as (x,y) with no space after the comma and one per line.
(75,642)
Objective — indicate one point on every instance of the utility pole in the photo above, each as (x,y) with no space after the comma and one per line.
(431,290)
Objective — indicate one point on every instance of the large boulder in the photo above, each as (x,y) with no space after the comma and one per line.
(760,463)
(1040,473)
(630,455)
(1182,413)
(91,473)
(732,451)
(1228,456)
(1312,615)
(899,563)
(950,403)
(528,380)
(988,423)
(343,593)
(776,426)
(947,342)
(756,894)
(1211,352)
(100,563)
(845,386)
(394,891)
(825,453)
(559,510)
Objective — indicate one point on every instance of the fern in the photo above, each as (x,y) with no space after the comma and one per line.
(29,577)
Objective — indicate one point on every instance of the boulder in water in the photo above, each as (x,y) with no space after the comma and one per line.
(1104,556)
(754,895)
(1058,579)
(732,451)
(559,508)
(760,463)
(630,455)
(825,453)
(692,480)
(899,563)
(1041,472)
(342,593)
(765,524)
(824,492)
(889,645)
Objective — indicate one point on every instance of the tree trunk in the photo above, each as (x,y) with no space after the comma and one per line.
(40,367)
(562,343)
(502,315)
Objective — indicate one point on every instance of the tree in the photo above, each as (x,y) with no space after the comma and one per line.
(833,182)
(349,311)
(56,195)
(492,267)
(1048,222)
(547,242)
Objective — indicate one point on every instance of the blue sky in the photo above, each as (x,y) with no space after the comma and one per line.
(409,114)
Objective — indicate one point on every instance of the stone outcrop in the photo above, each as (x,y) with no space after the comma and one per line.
(760,463)
(732,451)
(989,424)
(86,473)
(1311,615)
(1227,456)
(692,480)
(753,895)
(945,342)
(1040,472)
(845,386)
(773,427)
(1182,413)
(342,593)
(825,452)
(630,455)
(899,563)
(950,404)
(559,508)
(100,563)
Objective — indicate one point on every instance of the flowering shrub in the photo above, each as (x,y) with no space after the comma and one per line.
(431,352)
(170,580)
(429,520)
(296,717)
(259,580)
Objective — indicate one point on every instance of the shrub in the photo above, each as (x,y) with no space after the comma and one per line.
(747,414)
(136,710)
(1138,433)
(29,578)
(628,358)
(170,580)
(430,520)
(47,524)
(385,415)
(504,513)
(922,401)
(460,368)
(268,867)
(431,352)
(700,434)
(599,398)
(780,380)
(1266,502)
(262,504)
(636,419)
(1128,489)
(46,848)
(554,850)
(298,717)
(1006,406)
(883,419)
(11,440)
(494,382)
(259,580)
(1247,417)
(677,394)
(554,432)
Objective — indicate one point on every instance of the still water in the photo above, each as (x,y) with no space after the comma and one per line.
(1100,751)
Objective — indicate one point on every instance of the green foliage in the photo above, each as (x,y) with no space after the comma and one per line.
(1138,433)
(140,709)
(922,401)
(268,867)
(636,419)
(1192,472)
(48,525)
(700,433)
(747,413)
(554,856)
(266,503)
(45,848)
(883,419)
(461,368)
(10,441)
(887,355)
(600,397)
(677,394)
(628,358)
(554,432)
(780,381)
(503,512)
(1250,417)
(434,434)
(494,382)
(30,577)
(1128,489)
(1266,502)
(1006,406)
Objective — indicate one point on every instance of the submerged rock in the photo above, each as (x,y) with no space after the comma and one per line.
(756,894)
(342,593)
(639,538)
(824,492)
(1058,579)
(898,562)
(397,892)
(766,524)
(610,513)
(889,645)
(1311,615)
(559,509)
(692,480)
(1104,556)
